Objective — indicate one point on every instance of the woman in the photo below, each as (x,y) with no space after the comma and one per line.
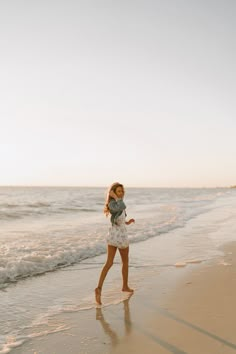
(117,236)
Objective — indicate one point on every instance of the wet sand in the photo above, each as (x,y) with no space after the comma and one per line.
(187,310)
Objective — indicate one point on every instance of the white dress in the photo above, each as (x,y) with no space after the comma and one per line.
(117,235)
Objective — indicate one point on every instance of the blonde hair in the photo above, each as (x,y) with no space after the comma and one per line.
(113,188)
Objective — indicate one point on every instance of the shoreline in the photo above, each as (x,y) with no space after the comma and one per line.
(182,311)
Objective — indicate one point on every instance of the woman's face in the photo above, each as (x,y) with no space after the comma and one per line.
(120,192)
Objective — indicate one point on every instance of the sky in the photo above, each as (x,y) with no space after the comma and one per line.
(136,91)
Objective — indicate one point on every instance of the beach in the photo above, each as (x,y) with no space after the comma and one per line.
(196,315)
(183,297)
(118,129)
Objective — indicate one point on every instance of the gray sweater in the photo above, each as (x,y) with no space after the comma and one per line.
(116,208)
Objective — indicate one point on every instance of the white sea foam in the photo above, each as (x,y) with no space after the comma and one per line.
(9,342)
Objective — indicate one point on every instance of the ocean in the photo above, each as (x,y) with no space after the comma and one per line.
(51,231)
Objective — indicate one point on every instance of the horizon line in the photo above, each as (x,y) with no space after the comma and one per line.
(94,186)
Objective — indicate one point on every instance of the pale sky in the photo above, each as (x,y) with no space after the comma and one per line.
(136,91)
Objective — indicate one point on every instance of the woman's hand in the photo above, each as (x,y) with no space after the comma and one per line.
(130,221)
(113,195)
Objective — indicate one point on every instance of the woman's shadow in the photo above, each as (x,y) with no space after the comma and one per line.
(108,329)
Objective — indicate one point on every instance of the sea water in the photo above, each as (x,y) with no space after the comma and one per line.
(47,231)
(43,229)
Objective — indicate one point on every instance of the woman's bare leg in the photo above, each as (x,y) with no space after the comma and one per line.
(111,252)
(124,253)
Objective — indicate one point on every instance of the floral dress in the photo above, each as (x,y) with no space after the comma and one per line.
(117,235)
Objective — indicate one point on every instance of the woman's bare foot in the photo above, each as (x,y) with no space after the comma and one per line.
(127,289)
(98,296)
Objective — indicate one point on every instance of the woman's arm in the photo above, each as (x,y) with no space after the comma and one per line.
(130,221)
(116,205)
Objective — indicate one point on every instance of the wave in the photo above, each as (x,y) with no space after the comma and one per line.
(38,205)
(77,209)
(37,264)
(8,215)
(31,210)
(64,247)
(39,258)
(31,205)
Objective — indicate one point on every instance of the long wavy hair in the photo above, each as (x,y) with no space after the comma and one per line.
(113,188)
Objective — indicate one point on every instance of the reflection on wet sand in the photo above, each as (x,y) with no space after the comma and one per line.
(107,327)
